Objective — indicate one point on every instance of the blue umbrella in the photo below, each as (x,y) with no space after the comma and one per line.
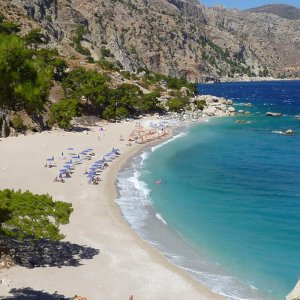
(75,156)
(70,148)
(62,171)
(68,163)
(50,159)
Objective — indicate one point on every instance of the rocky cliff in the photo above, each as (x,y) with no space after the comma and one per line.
(175,37)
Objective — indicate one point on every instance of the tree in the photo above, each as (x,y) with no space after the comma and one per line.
(34,37)
(149,102)
(176,104)
(63,112)
(27,215)
(8,27)
(90,84)
(24,81)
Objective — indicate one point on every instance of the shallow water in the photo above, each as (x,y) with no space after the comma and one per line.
(228,207)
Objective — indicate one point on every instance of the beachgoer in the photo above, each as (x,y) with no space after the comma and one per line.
(62,154)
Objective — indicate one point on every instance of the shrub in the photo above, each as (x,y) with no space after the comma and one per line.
(176,104)
(17,123)
(62,112)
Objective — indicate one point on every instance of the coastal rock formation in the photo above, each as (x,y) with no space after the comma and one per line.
(295,293)
(174,37)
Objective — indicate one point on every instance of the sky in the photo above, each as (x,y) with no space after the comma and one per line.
(244,4)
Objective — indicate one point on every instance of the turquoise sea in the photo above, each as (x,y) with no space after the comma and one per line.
(228,207)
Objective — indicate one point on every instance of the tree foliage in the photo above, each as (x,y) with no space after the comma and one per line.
(24,214)
(26,74)
(176,104)
(8,27)
(62,113)
(34,37)
(22,83)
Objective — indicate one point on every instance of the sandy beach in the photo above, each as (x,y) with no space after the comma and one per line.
(103,257)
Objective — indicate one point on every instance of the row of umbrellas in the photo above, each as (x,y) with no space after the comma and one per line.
(69,165)
(102,163)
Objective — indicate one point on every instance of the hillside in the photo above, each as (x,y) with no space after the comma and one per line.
(281,10)
(174,37)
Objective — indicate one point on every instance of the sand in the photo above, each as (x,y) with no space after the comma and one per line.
(114,262)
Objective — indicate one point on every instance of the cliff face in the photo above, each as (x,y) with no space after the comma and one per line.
(175,37)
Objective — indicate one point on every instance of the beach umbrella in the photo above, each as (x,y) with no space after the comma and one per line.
(75,156)
(49,159)
(70,148)
(62,171)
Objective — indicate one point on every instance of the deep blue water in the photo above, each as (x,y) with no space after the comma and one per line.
(232,193)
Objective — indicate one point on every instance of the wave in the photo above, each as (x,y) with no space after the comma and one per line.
(138,210)
(168,141)
(159,217)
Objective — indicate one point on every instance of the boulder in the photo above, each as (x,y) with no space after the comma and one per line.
(229,102)
(185,91)
(289,132)
(231,109)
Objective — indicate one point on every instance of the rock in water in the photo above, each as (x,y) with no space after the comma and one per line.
(289,132)
(295,293)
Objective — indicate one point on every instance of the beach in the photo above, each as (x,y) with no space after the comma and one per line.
(105,258)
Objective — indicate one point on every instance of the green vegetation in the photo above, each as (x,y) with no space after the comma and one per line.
(8,27)
(176,104)
(200,104)
(170,82)
(27,71)
(62,112)
(24,81)
(24,215)
(34,38)
(26,74)
(77,38)
(126,100)
(110,66)
(105,52)
(17,123)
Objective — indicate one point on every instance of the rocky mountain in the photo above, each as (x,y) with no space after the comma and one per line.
(281,10)
(174,37)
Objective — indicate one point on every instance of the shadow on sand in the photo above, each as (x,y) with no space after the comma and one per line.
(45,253)
(30,294)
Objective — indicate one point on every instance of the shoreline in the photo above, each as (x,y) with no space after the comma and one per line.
(126,265)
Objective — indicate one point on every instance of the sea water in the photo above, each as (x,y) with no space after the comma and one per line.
(222,199)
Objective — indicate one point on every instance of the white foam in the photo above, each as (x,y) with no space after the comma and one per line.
(278,131)
(159,217)
(168,141)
